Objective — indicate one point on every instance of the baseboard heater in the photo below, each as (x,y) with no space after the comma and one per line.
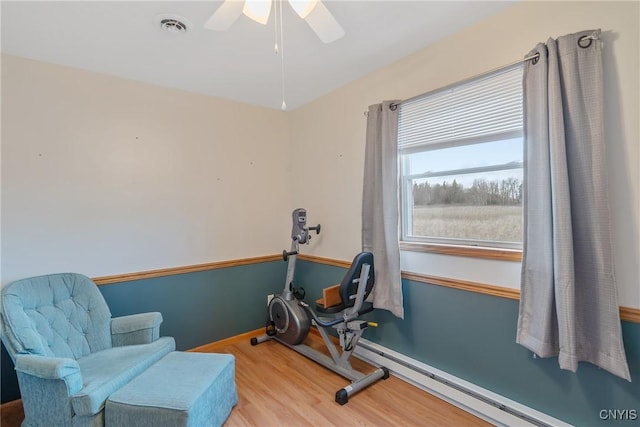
(485,404)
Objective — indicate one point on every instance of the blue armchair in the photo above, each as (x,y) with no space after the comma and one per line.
(69,354)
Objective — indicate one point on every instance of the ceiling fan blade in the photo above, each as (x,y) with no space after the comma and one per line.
(224,16)
(303,7)
(324,24)
(258,10)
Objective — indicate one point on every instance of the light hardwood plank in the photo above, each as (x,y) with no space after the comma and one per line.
(279,387)
(209,348)
(11,414)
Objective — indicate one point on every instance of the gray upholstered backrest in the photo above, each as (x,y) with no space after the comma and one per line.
(60,315)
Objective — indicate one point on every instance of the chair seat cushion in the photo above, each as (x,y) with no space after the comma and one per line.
(331,309)
(106,371)
(182,389)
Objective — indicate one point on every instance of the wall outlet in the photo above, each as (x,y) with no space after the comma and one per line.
(269,298)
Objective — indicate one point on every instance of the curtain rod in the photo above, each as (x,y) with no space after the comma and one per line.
(534,58)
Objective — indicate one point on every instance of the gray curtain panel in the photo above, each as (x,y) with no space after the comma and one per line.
(568,304)
(380,205)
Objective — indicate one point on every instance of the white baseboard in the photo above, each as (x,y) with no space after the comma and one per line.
(485,404)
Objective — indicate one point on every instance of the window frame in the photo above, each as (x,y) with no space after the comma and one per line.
(491,249)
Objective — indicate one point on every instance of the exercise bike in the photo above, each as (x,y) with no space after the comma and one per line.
(290,317)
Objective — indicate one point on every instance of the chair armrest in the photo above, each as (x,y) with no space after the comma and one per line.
(51,368)
(142,328)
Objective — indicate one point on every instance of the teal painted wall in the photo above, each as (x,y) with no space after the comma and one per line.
(472,336)
(9,388)
(202,307)
(466,334)
(197,308)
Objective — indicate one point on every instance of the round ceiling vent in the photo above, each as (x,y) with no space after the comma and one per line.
(172,24)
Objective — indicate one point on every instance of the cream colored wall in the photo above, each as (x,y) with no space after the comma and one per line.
(328,134)
(104,176)
(107,176)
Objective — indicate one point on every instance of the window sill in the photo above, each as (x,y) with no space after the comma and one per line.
(465,251)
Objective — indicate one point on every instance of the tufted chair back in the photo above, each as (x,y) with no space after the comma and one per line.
(58,315)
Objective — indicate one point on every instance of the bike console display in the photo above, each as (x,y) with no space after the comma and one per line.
(299,231)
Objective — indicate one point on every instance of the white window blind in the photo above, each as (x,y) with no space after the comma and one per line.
(486,108)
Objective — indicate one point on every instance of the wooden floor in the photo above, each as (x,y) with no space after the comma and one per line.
(279,387)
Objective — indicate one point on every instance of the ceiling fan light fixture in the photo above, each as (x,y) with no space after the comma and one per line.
(303,7)
(314,12)
(258,10)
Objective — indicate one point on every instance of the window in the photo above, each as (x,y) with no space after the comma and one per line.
(461,163)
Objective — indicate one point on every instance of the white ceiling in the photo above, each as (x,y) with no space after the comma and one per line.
(120,38)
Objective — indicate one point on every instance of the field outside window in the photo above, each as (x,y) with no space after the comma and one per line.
(456,195)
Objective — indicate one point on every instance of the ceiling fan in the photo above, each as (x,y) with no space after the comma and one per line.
(314,12)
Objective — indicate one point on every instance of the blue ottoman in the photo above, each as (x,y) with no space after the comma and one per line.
(181,389)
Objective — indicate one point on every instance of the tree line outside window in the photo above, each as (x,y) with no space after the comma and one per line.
(505,192)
